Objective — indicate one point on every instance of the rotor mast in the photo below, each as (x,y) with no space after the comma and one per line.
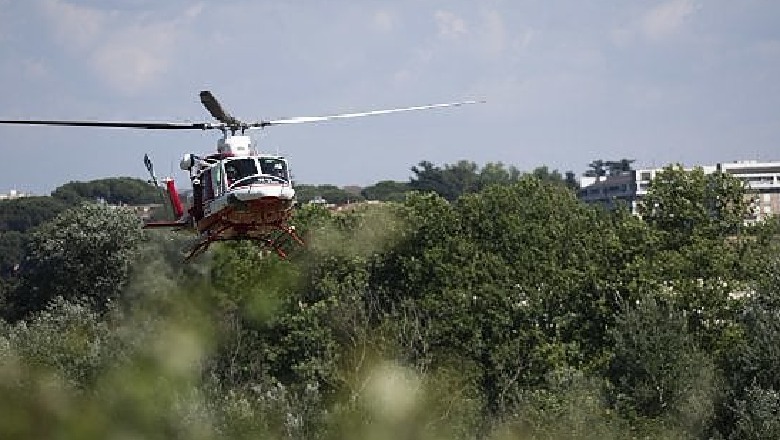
(220,114)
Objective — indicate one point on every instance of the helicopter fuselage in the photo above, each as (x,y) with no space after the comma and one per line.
(240,196)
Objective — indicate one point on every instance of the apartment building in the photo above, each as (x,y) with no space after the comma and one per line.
(761,178)
(763,183)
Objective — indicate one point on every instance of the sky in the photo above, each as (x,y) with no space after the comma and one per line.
(566,82)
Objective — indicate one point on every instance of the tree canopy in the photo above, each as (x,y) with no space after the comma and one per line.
(327,193)
(83,253)
(114,190)
(23,214)
(465,177)
(386,191)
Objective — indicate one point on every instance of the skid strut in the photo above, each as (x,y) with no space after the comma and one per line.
(271,240)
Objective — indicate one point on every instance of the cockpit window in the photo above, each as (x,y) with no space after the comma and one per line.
(237,169)
(273,167)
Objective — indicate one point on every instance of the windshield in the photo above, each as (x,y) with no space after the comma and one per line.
(273,167)
(237,169)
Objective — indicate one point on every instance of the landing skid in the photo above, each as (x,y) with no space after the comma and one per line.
(273,240)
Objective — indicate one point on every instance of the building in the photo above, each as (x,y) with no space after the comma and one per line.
(608,191)
(13,194)
(762,180)
(763,183)
(149,211)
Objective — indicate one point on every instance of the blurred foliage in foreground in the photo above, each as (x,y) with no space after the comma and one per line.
(510,312)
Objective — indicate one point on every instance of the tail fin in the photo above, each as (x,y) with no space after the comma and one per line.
(173,196)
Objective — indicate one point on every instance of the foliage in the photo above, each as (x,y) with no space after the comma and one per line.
(685,205)
(68,372)
(657,369)
(702,251)
(492,282)
(450,182)
(757,415)
(750,362)
(12,244)
(464,177)
(24,214)
(570,406)
(84,253)
(68,339)
(328,193)
(498,307)
(386,190)
(113,190)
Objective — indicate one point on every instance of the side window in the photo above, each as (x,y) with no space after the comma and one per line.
(265,166)
(205,183)
(216,179)
(281,170)
(231,173)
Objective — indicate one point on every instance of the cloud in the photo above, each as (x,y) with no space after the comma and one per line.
(35,68)
(666,19)
(622,36)
(75,25)
(127,51)
(5,20)
(495,34)
(194,10)
(449,25)
(524,40)
(384,20)
(135,57)
(767,49)
(485,37)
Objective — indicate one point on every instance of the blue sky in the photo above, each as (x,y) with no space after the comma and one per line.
(566,82)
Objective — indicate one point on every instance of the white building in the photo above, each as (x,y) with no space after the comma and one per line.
(763,183)
(762,180)
(13,194)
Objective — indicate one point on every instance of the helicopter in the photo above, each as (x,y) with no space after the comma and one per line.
(238,193)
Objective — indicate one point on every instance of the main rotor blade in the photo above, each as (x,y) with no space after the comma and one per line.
(216,110)
(118,124)
(303,119)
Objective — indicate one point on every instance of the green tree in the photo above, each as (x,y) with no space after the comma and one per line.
(18,217)
(26,213)
(496,173)
(297,321)
(571,181)
(70,339)
(450,182)
(465,177)
(658,371)
(756,415)
(686,205)
(386,190)
(12,245)
(329,193)
(113,190)
(84,253)
(701,248)
(544,174)
(507,281)
(751,363)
